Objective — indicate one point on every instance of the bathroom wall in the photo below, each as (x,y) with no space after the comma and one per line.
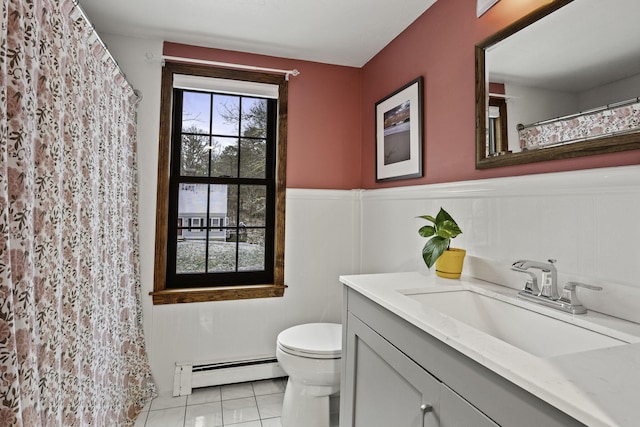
(586,220)
(440,46)
(321,228)
(331,142)
(323,142)
(528,105)
(321,225)
(621,90)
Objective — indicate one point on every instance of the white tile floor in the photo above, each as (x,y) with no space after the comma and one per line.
(252,404)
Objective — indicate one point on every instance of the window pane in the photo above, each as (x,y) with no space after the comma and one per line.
(192,209)
(232,206)
(180,232)
(222,256)
(192,202)
(253,205)
(196,112)
(253,158)
(251,251)
(217,211)
(190,256)
(194,155)
(224,157)
(254,117)
(226,115)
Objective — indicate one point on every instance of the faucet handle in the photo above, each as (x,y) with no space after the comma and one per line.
(531,287)
(532,283)
(570,296)
(571,286)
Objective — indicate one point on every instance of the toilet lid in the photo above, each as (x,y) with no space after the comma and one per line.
(316,340)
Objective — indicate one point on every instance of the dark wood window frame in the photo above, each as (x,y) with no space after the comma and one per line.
(161,293)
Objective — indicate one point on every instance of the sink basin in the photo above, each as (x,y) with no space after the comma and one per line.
(528,330)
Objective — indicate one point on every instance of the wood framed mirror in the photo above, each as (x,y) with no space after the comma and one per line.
(562,82)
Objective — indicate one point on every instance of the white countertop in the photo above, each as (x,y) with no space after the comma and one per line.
(597,387)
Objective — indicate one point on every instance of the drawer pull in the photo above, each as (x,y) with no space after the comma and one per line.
(425,407)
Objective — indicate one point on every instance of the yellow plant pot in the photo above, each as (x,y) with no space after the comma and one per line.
(449,264)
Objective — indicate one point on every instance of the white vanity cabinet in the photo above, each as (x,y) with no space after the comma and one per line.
(396,375)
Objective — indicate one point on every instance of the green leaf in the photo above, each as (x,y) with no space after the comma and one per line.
(443,216)
(433,249)
(427,231)
(428,218)
(448,229)
(448,225)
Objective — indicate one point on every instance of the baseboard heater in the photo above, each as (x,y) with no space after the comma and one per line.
(188,376)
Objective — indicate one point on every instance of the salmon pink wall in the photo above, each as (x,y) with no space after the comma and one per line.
(324,116)
(331,138)
(440,46)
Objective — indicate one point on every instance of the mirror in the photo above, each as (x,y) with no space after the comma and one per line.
(561,82)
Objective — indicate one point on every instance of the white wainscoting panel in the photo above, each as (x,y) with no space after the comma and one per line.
(322,235)
(589,221)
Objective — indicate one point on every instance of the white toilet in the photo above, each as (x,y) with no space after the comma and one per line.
(310,354)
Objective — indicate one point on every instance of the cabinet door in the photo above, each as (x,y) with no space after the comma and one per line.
(386,387)
(456,412)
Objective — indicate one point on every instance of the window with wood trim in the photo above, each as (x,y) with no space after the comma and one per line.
(221,185)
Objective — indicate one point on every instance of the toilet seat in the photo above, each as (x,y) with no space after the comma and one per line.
(312,340)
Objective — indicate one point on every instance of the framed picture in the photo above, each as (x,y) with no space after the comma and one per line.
(399,133)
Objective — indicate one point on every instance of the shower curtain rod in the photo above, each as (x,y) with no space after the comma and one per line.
(287,73)
(607,107)
(76,5)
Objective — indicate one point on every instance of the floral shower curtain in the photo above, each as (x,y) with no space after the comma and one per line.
(71,346)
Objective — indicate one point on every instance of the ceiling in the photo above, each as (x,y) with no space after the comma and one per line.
(341,32)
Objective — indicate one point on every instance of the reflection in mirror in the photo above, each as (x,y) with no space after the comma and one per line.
(497,124)
(562,82)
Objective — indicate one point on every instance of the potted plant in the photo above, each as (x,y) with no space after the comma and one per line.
(437,250)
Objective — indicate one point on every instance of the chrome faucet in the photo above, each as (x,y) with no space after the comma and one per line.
(547,293)
(549,283)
